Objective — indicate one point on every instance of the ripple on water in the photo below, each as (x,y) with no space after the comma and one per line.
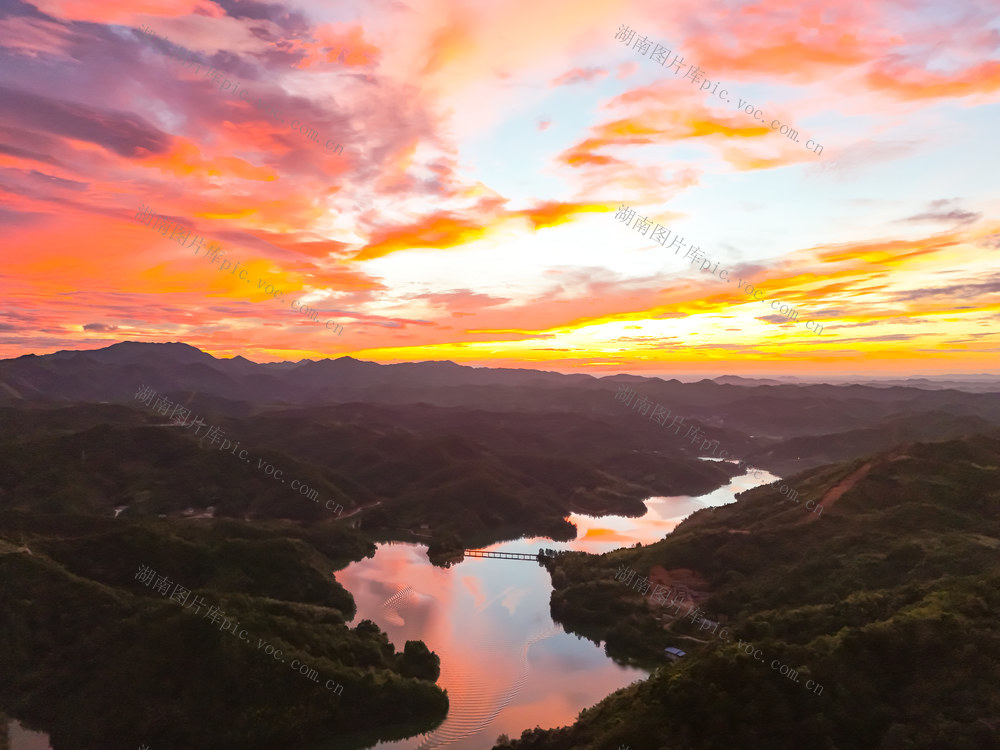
(476,703)
(394,602)
(481,617)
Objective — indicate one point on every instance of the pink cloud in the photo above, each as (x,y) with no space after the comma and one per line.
(578,75)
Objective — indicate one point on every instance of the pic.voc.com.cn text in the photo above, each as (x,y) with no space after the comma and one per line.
(214,252)
(661,414)
(660,236)
(661,54)
(659,596)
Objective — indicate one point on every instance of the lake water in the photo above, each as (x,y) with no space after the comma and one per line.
(506,665)
(19,738)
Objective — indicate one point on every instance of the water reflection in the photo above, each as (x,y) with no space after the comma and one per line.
(506,666)
(663,514)
(19,738)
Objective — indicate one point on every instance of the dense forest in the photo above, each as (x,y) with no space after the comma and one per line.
(80,632)
(889,600)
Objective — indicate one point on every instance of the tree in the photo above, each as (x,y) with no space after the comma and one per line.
(419,661)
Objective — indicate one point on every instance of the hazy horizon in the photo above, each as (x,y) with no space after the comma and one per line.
(684,377)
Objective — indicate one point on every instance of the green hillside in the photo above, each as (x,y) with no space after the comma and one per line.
(418,464)
(103,661)
(889,600)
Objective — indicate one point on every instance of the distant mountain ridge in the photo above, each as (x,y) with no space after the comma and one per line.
(779,425)
(84,375)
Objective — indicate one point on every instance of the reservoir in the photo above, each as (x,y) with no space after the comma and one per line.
(506,665)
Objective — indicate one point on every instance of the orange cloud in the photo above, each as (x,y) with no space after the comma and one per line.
(553,213)
(339,43)
(122,11)
(313,248)
(618,133)
(789,38)
(888,253)
(582,154)
(746,162)
(923,84)
(439,230)
(443,229)
(186,159)
(642,129)
(457,46)
(783,53)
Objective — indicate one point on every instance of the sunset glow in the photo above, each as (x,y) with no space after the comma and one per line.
(486,148)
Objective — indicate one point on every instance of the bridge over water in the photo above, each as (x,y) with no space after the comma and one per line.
(504,555)
(500,555)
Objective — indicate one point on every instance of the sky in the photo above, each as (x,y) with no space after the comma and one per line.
(753,188)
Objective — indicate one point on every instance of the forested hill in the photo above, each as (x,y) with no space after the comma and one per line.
(889,599)
(104,658)
(782,427)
